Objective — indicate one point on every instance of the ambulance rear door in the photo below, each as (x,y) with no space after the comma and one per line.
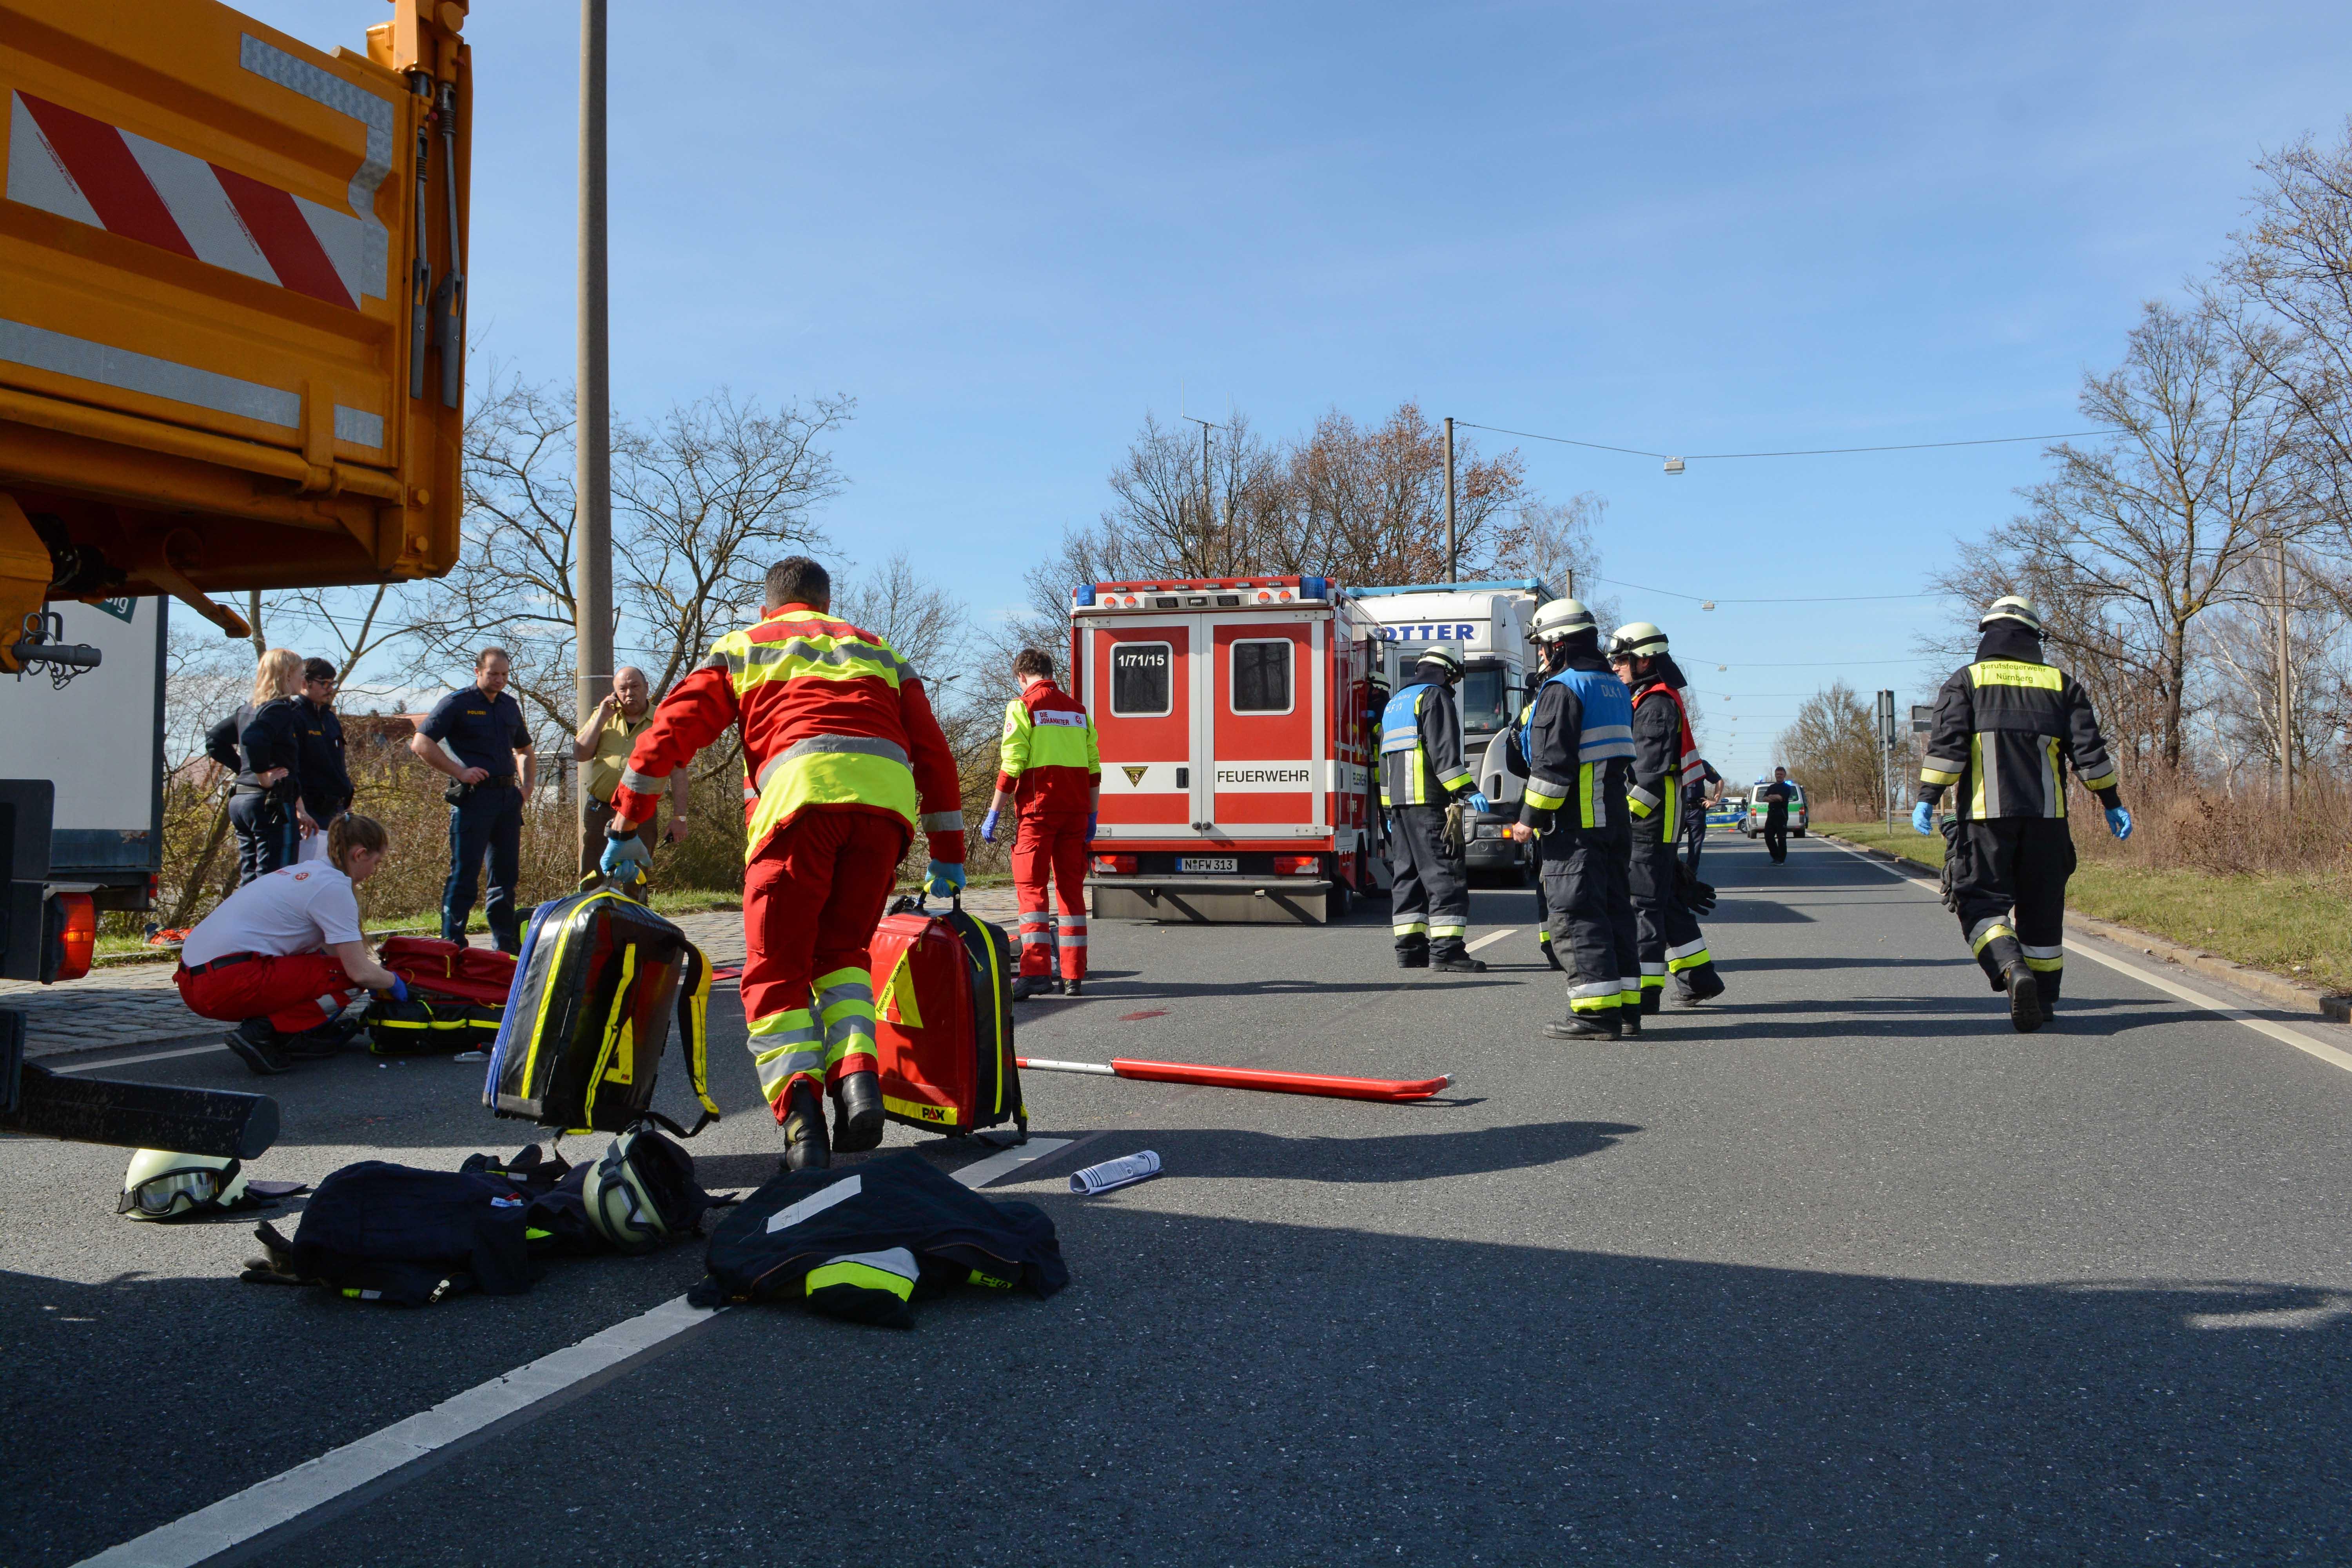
(1139,684)
(1263,691)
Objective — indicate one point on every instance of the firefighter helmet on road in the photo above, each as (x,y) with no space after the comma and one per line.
(163,1184)
(2010,607)
(1561,618)
(1445,658)
(1637,639)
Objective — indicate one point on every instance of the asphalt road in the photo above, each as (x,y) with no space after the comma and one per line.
(1839,1269)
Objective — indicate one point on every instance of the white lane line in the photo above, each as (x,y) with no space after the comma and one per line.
(1486,941)
(222,1526)
(128,1061)
(2333,1055)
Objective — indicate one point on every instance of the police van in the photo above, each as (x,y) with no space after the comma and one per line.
(1235,718)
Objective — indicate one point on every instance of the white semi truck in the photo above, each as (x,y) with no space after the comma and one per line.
(1486,626)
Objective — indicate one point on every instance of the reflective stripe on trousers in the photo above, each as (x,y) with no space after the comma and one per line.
(785,1046)
(844,1000)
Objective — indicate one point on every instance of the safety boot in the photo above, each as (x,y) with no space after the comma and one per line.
(1412,955)
(857,1112)
(1072,988)
(1629,1022)
(1653,998)
(1585,1026)
(325,1040)
(1700,984)
(257,1044)
(2045,985)
(1027,986)
(805,1148)
(2024,999)
(1543,945)
(1453,958)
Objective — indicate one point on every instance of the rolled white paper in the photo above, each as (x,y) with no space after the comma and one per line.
(1112,1173)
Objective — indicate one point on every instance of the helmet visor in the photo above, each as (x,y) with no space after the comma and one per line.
(174,1191)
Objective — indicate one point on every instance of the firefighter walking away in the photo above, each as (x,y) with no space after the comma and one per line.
(2007,726)
(1422,775)
(849,761)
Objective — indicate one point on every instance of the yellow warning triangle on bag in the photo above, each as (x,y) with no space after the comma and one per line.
(897,1001)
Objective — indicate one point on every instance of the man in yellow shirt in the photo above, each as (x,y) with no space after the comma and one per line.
(602,744)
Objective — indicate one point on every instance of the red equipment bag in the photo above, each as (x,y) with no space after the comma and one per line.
(944,1021)
(478,974)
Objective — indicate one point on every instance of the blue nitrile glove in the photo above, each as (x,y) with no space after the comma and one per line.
(399,989)
(943,879)
(2119,822)
(1477,801)
(988,827)
(1923,818)
(626,858)
(1094,821)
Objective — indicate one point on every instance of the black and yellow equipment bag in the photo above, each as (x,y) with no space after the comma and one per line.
(428,1026)
(597,984)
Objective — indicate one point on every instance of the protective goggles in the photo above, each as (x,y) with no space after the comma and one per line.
(161,1195)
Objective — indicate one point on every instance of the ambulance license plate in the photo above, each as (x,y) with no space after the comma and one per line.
(1208,863)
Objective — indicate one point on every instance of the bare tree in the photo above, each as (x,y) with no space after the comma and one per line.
(1370,501)
(1832,747)
(1173,518)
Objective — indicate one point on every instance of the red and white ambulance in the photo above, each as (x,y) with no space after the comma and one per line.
(1236,717)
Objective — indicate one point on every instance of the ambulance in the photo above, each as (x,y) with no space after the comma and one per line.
(1235,716)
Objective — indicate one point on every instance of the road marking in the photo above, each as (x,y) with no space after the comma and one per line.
(128,1061)
(2333,1055)
(1490,939)
(504,1401)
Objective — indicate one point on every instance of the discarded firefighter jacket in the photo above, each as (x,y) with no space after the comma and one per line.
(2005,729)
(1666,758)
(1578,742)
(864,1243)
(1421,748)
(380,1232)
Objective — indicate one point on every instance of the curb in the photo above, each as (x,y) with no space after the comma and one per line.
(2271,987)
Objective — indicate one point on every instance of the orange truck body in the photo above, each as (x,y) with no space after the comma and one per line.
(210,237)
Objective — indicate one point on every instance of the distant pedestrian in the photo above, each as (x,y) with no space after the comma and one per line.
(326,780)
(261,744)
(1776,797)
(1050,765)
(492,769)
(602,744)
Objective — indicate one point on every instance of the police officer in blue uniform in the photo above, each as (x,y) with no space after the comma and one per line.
(1423,772)
(492,766)
(260,743)
(318,736)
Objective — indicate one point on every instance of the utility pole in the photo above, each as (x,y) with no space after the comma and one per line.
(1208,509)
(1453,552)
(2285,690)
(592,623)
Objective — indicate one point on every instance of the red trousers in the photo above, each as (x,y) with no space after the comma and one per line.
(294,994)
(1051,849)
(812,897)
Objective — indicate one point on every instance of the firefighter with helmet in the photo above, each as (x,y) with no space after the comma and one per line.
(2005,728)
(1577,745)
(1422,773)
(1665,762)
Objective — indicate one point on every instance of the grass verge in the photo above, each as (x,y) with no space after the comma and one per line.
(2293,926)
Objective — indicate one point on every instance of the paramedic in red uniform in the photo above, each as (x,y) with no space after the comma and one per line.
(1051,766)
(847,762)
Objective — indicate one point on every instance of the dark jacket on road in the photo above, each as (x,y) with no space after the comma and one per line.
(2005,728)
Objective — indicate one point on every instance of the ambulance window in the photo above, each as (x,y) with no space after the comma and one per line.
(1139,684)
(1262,675)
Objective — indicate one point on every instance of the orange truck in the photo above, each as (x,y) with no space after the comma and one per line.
(231,357)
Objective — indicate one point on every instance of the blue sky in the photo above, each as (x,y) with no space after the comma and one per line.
(1009,232)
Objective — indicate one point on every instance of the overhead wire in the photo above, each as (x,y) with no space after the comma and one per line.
(1794,452)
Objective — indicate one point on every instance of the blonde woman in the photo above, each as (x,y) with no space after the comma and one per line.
(283,954)
(261,744)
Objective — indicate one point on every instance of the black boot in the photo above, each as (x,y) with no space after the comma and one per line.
(1629,1021)
(1412,955)
(1072,988)
(1653,998)
(1543,945)
(2024,999)
(1450,957)
(805,1148)
(2045,984)
(1700,983)
(257,1044)
(856,1113)
(327,1039)
(1027,986)
(1585,1026)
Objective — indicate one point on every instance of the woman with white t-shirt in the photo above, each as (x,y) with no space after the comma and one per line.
(283,954)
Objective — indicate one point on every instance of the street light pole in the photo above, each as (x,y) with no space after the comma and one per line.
(1452,551)
(1208,507)
(592,623)
(2285,691)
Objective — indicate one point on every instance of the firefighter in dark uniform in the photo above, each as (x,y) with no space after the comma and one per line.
(2006,728)
(326,779)
(1422,773)
(1665,760)
(1578,749)
(493,769)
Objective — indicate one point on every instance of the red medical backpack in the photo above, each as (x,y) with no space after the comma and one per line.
(944,1021)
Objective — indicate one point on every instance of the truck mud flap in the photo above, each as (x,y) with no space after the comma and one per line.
(211,1121)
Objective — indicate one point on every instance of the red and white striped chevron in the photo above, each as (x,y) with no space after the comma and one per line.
(65,163)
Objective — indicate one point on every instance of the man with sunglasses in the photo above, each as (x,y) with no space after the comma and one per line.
(326,779)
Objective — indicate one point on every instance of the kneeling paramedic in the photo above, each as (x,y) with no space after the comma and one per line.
(1422,773)
(284,953)
(1049,764)
(2005,726)
(1579,747)
(1665,763)
(848,761)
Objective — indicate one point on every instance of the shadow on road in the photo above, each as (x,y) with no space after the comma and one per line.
(1202,1152)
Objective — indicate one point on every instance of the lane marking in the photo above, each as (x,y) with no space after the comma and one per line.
(2333,1055)
(507,1400)
(1482,942)
(130,1061)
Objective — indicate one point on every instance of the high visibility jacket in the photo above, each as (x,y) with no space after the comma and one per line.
(1421,748)
(2004,731)
(1665,762)
(832,719)
(1578,742)
(1049,761)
